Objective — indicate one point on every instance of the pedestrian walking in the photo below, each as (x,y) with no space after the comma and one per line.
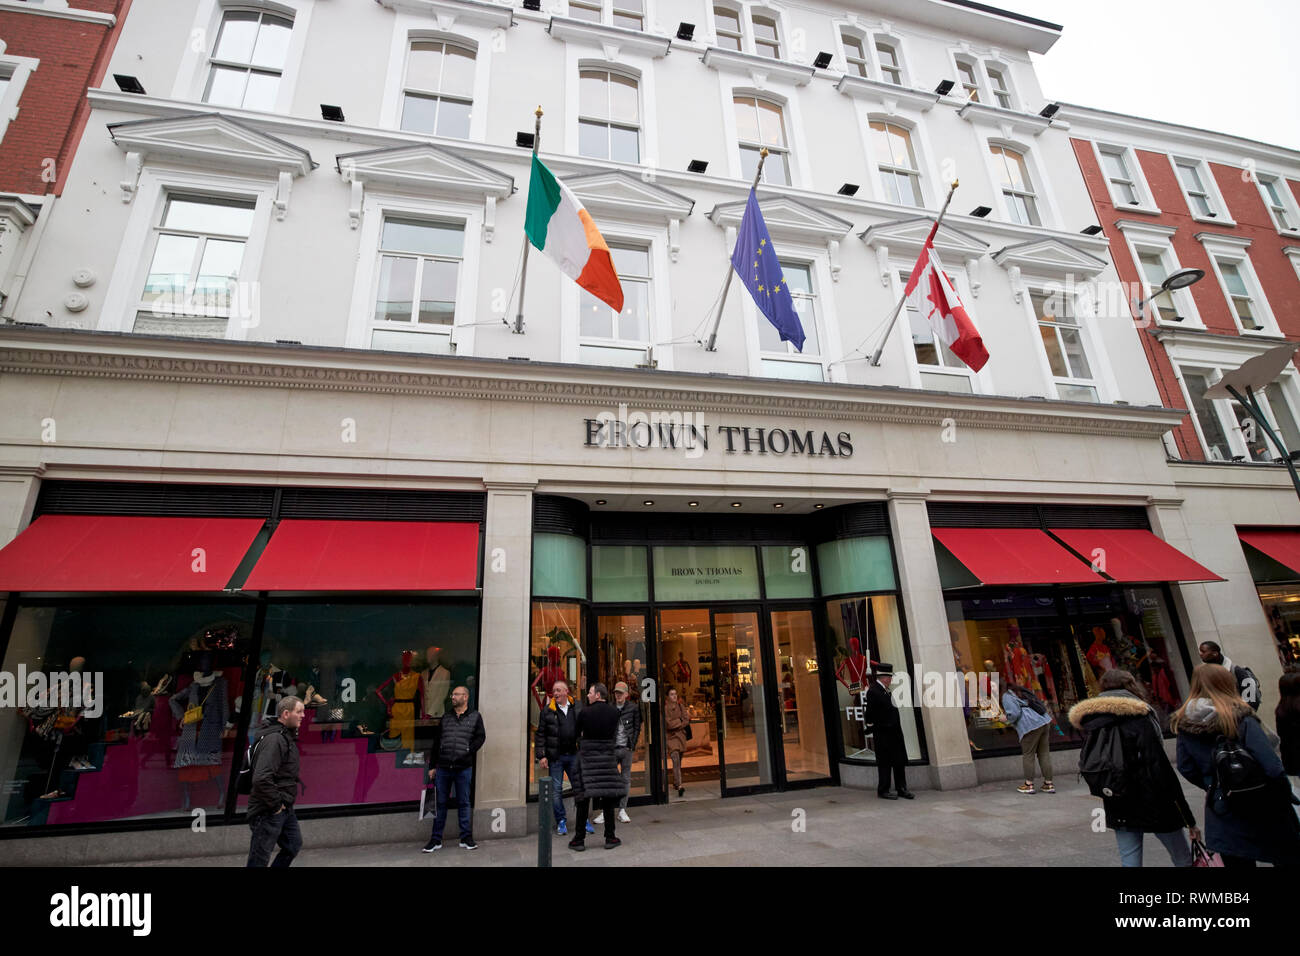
(556,746)
(275,787)
(599,778)
(1028,715)
(1223,749)
(677,720)
(460,735)
(1150,798)
(625,741)
(1287,717)
(1247,684)
(886,724)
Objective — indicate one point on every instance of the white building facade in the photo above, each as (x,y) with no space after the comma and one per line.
(219,357)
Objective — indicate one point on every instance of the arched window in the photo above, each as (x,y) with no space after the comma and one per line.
(900,174)
(248,59)
(855,54)
(609,124)
(1017,188)
(759,124)
(439,88)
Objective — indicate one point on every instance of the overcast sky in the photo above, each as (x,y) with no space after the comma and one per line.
(1224,66)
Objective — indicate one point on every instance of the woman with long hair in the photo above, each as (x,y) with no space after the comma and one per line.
(1287,716)
(1268,830)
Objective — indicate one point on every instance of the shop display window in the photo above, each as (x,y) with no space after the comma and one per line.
(1282,608)
(555,653)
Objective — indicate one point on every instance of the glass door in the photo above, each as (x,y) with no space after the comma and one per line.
(741,691)
(621,656)
(796,684)
(689,761)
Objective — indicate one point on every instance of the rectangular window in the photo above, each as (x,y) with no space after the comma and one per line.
(609,125)
(629,14)
(618,338)
(1123,188)
(1283,420)
(969,82)
(759,124)
(855,57)
(1238,294)
(1001,92)
(419,272)
(897,164)
(1198,197)
(1207,416)
(1154,271)
(891,70)
(589,10)
(1277,206)
(1058,328)
(248,60)
(766,41)
(1017,189)
(192,284)
(798,277)
(439,89)
(726,24)
(938,367)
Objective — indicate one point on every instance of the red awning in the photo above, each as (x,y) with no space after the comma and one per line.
(368,556)
(1130,555)
(112,553)
(1282,546)
(1014,556)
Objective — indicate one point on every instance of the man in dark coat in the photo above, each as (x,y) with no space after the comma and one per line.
(555,746)
(275,788)
(598,776)
(1247,682)
(884,721)
(460,736)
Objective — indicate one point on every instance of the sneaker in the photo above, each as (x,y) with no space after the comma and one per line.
(590,827)
(467,843)
(612,843)
(1048,788)
(562,829)
(623,817)
(600,818)
(1026,788)
(432,845)
(577,844)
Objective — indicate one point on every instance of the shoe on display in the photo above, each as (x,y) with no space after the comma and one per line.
(562,829)
(590,827)
(612,843)
(600,818)
(431,846)
(467,843)
(623,817)
(577,844)
(907,794)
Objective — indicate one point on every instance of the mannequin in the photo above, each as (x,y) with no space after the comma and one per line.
(403,707)
(270,683)
(1099,654)
(852,672)
(1020,668)
(681,670)
(547,676)
(198,752)
(435,683)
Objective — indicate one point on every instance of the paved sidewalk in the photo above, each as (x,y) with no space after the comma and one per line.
(990,825)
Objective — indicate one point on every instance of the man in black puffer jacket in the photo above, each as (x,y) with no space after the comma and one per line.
(460,735)
(275,787)
(598,776)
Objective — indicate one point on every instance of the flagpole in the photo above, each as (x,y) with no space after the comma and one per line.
(875,358)
(726,285)
(523,279)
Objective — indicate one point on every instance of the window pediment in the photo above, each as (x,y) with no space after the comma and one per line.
(451,12)
(1049,258)
(608,39)
(424,167)
(786,218)
(622,195)
(211,140)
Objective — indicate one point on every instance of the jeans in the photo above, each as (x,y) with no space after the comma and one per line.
(559,766)
(270,830)
(1037,742)
(606,805)
(624,758)
(1130,846)
(444,782)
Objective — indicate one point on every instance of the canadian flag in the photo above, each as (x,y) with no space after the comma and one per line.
(934,297)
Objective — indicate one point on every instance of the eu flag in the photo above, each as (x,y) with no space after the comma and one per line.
(755,262)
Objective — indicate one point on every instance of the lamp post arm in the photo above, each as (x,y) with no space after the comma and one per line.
(1251,405)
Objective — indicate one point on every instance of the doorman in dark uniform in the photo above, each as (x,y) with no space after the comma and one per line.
(884,721)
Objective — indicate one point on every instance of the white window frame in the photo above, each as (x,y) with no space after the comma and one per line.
(462,42)
(408,29)
(1287,197)
(1154,239)
(379,205)
(1222,216)
(640,68)
(745,10)
(980,93)
(411,325)
(1222,407)
(659,323)
(1046,206)
(741,19)
(122,297)
(796,156)
(1236,251)
(920,148)
(18,69)
(1092,351)
(627,73)
(192,77)
(869,39)
(980,383)
(842,30)
(896,43)
(1145,199)
(607,13)
(1004,69)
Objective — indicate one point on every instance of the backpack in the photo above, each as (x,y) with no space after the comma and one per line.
(1238,777)
(1035,704)
(1101,763)
(245,783)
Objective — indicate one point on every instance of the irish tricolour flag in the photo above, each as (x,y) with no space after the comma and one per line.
(557,224)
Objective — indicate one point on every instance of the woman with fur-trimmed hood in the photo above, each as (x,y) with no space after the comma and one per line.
(1154,802)
(1214,709)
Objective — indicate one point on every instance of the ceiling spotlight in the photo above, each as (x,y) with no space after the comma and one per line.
(692,504)
(648,502)
(697,166)
(777,504)
(332,113)
(848,189)
(600,501)
(524,139)
(979,212)
(1092,230)
(823,60)
(735,504)
(128,84)
(819,506)
(944,87)
(685,31)
(1050,110)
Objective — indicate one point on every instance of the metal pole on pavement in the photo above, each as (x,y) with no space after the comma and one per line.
(545,794)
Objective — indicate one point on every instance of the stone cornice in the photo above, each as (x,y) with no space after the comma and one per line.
(125,356)
(61,13)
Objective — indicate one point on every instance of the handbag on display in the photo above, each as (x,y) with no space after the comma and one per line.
(1204,856)
(194,713)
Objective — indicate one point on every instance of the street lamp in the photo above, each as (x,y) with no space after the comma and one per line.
(1176,280)
(1259,372)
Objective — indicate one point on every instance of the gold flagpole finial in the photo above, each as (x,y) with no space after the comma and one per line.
(955,184)
(539,110)
(763,152)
